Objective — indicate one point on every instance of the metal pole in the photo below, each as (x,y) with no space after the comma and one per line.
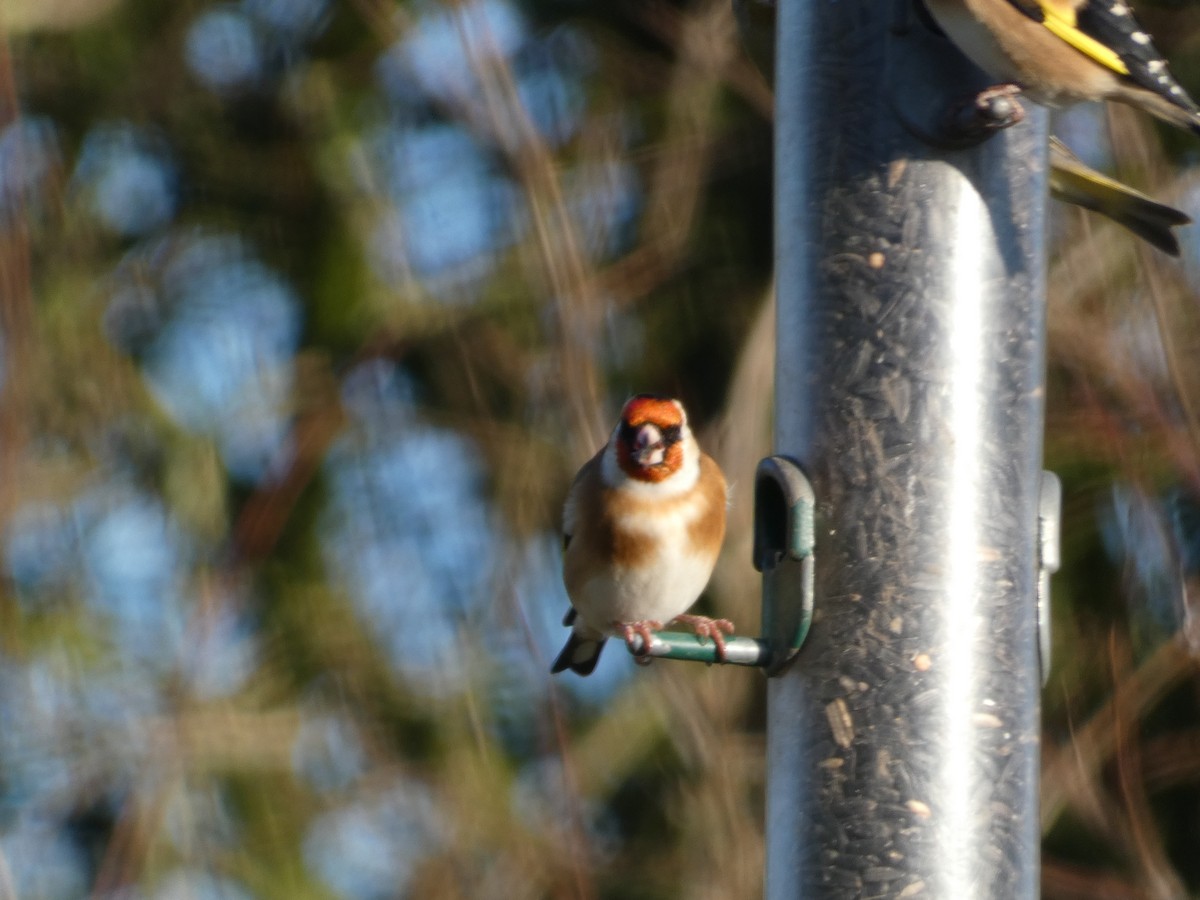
(903,743)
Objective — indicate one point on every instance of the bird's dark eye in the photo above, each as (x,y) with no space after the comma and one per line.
(628,434)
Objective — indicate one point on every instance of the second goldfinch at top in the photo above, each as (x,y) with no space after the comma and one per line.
(1061,52)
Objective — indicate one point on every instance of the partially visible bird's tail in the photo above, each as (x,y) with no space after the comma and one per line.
(579,655)
(1071,180)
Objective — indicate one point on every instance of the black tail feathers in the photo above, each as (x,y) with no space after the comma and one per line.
(579,655)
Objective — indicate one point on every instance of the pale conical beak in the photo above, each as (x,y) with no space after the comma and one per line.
(648,447)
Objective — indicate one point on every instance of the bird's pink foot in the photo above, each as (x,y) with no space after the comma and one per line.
(645,630)
(715,629)
(988,111)
(1003,91)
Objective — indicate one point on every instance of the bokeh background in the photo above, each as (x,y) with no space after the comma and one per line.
(309,311)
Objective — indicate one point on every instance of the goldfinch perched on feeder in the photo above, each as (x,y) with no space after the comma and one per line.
(1070,180)
(1061,52)
(1073,181)
(642,528)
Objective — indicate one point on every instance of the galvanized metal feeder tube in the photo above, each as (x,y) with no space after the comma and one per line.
(903,741)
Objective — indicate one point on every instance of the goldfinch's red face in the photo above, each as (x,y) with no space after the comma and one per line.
(649,440)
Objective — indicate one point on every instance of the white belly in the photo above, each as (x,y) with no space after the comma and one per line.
(660,591)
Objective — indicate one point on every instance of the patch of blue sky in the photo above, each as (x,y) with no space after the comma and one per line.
(198,819)
(113,703)
(291,21)
(1137,536)
(1136,339)
(40,549)
(43,864)
(605,199)
(64,729)
(29,156)
(408,530)
(328,752)
(515,681)
(551,70)
(220,655)
(452,272)
(554,102)
(409,612)
(524,635)
(136,309)
(624,340)
(194,884)
(397,83)
(378,392)
(1084,129)
(413,158)
(370,849)
(456,222)
(451,211)
(1189,238)
(256,438)
(1183,511)
(133,559)
(38,714)
(436,48)
(221,364)
(224,50)
(543,600)
(128,177)
(568,47)
(544,801)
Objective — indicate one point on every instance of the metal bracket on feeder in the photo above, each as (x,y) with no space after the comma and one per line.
(784,507)
(783,552)
(1049,559)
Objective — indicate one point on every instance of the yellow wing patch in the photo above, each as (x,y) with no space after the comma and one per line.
(1060,21)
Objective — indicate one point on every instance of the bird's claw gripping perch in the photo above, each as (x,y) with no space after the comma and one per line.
(988,111)
(714,629)
(645,630)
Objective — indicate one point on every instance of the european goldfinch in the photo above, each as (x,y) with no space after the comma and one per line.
(1061,52)
(1071,181)
(642,527)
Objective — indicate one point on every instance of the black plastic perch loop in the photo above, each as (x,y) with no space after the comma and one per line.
(783,544)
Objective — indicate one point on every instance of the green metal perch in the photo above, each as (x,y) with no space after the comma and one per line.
(783,552)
